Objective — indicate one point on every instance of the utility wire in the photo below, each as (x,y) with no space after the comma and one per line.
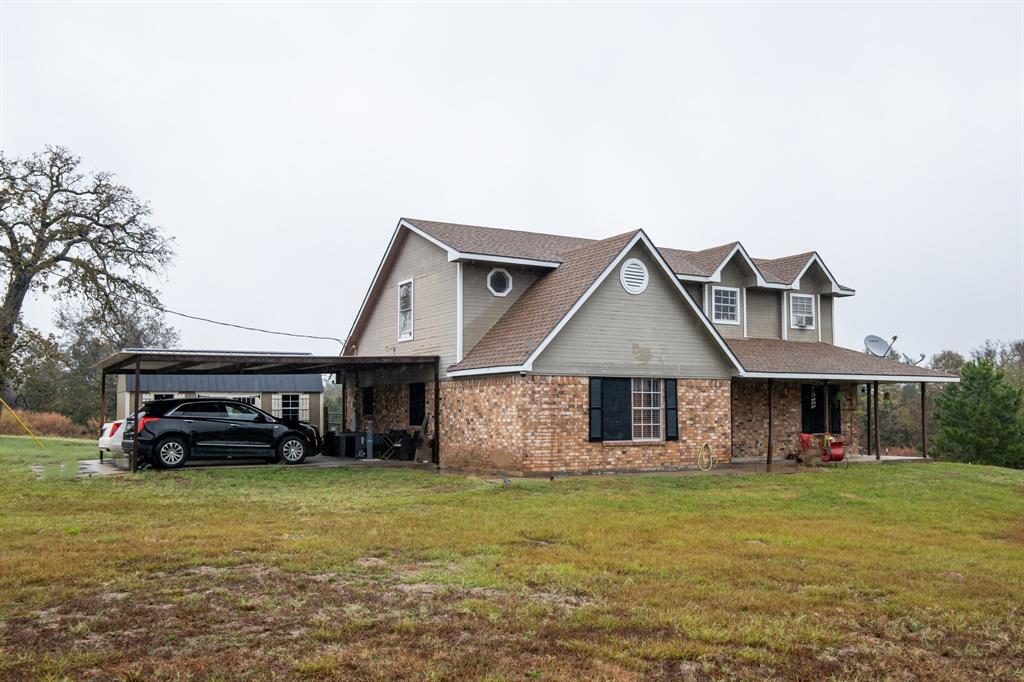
(241,326)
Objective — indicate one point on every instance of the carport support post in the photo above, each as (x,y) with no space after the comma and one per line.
(770,449)
(878,441)
(435,454)
(924,421)
(103,404)
(135,412)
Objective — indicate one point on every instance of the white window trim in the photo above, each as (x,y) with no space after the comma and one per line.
(660,410)
(412,308)
(714,314)
(814,312)
(499,294)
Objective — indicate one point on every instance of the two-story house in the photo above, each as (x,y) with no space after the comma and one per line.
(564,354)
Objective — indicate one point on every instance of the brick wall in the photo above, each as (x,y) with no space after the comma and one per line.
(750,418)
(539,425)
(390,407)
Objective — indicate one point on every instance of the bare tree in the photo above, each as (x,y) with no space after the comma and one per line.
(73,236)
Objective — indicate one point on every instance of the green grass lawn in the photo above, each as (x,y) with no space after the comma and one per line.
(896,571)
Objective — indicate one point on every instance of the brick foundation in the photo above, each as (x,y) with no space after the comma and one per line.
(750,418)
(537,425)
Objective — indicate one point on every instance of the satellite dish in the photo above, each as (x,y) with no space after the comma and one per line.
(876,345)
(910,361)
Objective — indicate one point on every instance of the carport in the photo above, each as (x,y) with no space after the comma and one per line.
(139,361)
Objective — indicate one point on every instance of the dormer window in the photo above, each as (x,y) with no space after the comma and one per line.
(725,305)
(801,311)
(499,282)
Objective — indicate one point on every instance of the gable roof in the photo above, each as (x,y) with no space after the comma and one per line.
(523,332)
(796,359)
(474,242)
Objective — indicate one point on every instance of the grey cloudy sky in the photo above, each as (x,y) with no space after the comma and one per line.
(279,143)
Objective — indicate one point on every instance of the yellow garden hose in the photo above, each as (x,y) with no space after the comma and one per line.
(23,424)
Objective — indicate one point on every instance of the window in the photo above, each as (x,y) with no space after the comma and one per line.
(633,410)
(725,305)
(201,410)
(633,276)
(241,413)
(647,409)
(405,310)
(499,282)
(801,311)
(163,396)
(290,406)
(367,401)
(417,404)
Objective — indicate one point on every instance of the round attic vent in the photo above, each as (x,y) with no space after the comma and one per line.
(633,276)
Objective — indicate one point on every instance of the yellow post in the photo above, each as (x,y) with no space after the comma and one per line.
(23,424)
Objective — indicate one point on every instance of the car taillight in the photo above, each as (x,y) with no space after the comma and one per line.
(113,428)
(144,421)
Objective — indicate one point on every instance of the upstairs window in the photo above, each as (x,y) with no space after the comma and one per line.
(499,282)
(405,310)
(801,311)
(725,305)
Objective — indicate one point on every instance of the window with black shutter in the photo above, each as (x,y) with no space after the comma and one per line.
(632,409)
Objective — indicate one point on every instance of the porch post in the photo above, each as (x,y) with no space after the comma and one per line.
(878,441)
(924,421)
(344,399)
(867,410)
(135,440)
(771,449)
(103,403)
(436,450)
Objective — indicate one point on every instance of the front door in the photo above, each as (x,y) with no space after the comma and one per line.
(812,409)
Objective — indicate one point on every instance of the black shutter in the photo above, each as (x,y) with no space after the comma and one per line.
(671,411)
(617,409)
(595,410)
(812,408)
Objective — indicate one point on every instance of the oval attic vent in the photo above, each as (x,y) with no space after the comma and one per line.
(633,276)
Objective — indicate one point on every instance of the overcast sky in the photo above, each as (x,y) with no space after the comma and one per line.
(280,143)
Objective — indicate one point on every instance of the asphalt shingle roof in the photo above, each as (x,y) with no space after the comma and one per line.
(798,357)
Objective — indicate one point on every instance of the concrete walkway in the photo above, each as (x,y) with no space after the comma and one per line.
(93,467)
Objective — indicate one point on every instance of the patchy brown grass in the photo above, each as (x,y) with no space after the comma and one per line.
(897,572)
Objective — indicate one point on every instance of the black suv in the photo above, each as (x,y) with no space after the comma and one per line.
(173,431)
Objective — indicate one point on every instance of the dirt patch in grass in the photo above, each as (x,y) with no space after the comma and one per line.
(257,621)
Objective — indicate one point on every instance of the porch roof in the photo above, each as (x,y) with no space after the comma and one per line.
(773,358)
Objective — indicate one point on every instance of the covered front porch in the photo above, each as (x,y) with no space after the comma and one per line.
(790,389)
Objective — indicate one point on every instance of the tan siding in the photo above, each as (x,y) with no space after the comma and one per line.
(480,308)
(618,334)
(763,310)
(434,295)
(827,313)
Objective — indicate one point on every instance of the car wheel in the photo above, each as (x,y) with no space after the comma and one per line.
(292,450)
(170,453)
